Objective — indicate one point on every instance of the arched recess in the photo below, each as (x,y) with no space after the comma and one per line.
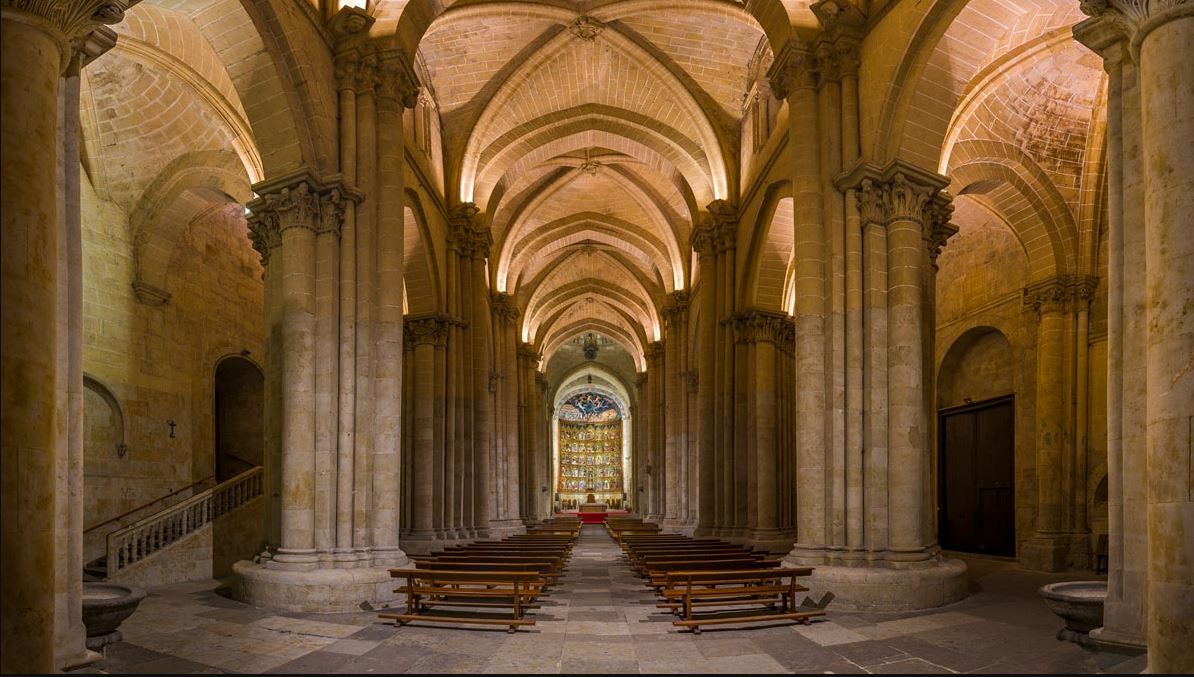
(104,430)
(422,289)
(189,186)
(977,445)
(1028,203)
(239,408)
(770,252)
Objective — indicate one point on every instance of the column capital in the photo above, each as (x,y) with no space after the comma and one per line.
(1060,293)
(640,379)
(654,351)
(794,69)
(426,330)
(77,23)
(755,325)
(297,200)
(396,79)
(717,230)
(466,236)
(505,309)
(902,192)
(528,352)
(675,307)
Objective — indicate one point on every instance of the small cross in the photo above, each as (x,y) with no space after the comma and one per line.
(171,423)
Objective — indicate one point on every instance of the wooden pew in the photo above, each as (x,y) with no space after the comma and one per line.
(774,590)
(429,588)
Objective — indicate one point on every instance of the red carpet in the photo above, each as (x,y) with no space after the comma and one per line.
(594,517)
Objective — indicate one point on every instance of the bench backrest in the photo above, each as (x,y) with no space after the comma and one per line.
(703,577)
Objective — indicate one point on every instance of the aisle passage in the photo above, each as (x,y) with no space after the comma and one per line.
(601,618)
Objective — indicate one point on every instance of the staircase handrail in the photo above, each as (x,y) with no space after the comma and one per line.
(146,536)
(139,508)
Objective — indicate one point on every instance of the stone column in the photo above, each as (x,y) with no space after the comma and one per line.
(711,496)
(543,461)
(763,332)
(1151,267)
(1055,301)
(1167,106)
(675,314)
(425,336)
(655,426)
(41,379)
(505,321)
(793,76)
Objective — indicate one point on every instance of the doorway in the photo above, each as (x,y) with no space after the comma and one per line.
(977,478)
(239,417)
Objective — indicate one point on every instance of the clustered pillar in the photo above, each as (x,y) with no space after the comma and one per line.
(865,240)
(333,258)
(1150,93)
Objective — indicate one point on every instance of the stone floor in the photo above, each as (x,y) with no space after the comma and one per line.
(602,619)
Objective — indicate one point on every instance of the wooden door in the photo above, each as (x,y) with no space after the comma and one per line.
(977,478)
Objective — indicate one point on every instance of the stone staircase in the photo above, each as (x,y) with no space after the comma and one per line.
(159,531)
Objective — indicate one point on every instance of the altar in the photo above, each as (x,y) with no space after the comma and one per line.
(593,507)
(591,517)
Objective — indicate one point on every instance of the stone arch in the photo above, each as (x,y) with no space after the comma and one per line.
(978,366)
(1015,187)
(420,271)
(186,188)
(770,251)
(265,69)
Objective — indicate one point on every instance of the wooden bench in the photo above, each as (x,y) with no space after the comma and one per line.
(773,589)
(429,588)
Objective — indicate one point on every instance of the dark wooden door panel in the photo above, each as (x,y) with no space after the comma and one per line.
(977,478)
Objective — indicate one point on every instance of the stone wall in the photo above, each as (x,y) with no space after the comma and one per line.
(159,361)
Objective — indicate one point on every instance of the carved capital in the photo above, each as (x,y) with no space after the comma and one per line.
(719,226)
(939,229)
(396,79)
(654,351)
(902,192)
(828,64)
(753,326)
(297,200)
(640,379)
(505,309)
(527,352)
(794,69)
(466,236)
(426,330)
(350,22)
(1061,293)
(586,28)
(675,309)
(76,20)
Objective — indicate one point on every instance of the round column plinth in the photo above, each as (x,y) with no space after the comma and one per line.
(887,589)
(318,591)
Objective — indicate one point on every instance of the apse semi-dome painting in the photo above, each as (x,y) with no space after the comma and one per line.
(589,407)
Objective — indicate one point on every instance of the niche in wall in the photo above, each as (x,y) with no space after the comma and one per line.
(239,417)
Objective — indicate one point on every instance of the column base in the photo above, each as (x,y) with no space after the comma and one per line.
(1045,552)
(677,525)
(927,585)
(317,591)
(771,540)
(423,543)
(502,528)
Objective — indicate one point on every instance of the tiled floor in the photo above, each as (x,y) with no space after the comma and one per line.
(602,619)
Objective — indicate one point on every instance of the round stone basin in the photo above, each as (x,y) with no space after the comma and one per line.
(106,605)
(1079,603)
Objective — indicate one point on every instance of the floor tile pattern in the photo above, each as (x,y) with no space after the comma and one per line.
(601,619)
